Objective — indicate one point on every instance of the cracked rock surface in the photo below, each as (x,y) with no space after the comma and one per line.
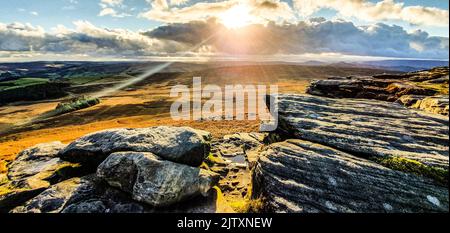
(304,177)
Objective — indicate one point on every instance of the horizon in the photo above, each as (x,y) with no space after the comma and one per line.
(290,30)
(324,60)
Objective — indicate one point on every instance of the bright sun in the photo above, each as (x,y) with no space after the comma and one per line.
(236,17)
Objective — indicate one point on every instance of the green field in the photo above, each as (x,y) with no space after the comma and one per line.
(23,82)
(85,80)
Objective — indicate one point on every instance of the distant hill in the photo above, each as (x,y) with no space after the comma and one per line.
(394,65)
(69,70)
(406,65)
(98,70)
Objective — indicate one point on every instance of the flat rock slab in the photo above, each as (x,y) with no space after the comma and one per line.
(39,162)
(178,144)
(154,181)
(303,177)
(366,128)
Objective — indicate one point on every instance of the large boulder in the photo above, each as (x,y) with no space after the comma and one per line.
(34,170)
(89,194)
(153,180)
(303,177)
(81,195)
(366,128)
(178,144)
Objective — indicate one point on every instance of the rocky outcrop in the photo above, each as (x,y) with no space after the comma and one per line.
(354,156)
(34,170)
(366,88)
(388,87)
(125,182)
(434,104)
(182,145)
(366,128)
(154,181)
(81,195)
(304,177)
(39,163)
(347,155)
(90,195)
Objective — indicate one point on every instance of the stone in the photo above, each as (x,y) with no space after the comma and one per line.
(34,170)
(434,104)
(410,100)
(90,195)
(81,195)
(154,181)
(366,128)
(40,163)
(303,177)
(178,144)
(240,148)
(250,139)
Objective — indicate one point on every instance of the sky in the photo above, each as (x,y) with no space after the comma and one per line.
(196,29)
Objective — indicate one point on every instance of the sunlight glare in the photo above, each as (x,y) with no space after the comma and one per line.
(236,17)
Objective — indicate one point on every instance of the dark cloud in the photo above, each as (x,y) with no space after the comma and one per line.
(268,4)
(314,36)
(85,39)
(191,33)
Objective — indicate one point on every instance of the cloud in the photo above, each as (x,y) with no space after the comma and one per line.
(314,36)
(112,2)
(261,11)
(84,39)
(178,2)
(317,35)
(71,5)
(20,37)
(107,11)
(110,8)
(379,11)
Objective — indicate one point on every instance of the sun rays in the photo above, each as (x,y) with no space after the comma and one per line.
(237,17)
